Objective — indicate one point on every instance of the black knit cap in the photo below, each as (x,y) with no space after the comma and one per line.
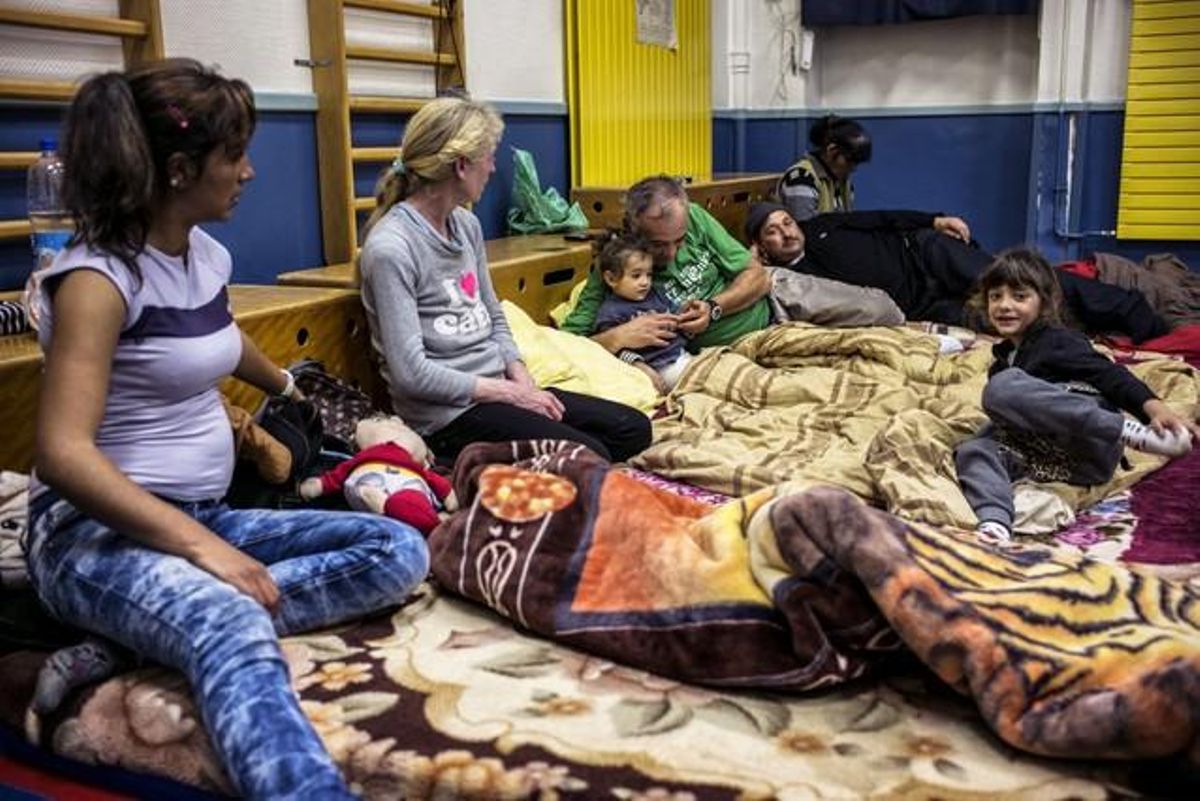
(757,217)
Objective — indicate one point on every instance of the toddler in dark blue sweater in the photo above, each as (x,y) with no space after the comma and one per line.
(628,271)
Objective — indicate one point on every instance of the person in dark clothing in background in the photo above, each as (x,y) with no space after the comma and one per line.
(926,263)
(820,181)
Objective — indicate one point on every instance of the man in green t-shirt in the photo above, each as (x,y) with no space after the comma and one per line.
(719,287)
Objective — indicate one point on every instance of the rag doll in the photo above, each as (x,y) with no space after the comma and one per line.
(389,475)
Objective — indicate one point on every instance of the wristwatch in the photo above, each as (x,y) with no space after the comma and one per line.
(714,311)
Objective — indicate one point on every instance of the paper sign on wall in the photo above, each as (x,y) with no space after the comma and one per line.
(656,23)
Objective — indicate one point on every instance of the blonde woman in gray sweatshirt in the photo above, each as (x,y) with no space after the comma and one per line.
(449,360)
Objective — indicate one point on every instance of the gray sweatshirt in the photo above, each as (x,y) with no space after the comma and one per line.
(435,321)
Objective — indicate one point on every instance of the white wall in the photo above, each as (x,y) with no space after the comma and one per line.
(958,62)
(255,41)
(52,56)
(1074,50)
(515,50)
(1084,50)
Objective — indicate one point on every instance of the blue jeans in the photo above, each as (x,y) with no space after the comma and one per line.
(330,567)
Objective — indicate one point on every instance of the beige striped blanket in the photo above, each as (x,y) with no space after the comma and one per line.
(877,411)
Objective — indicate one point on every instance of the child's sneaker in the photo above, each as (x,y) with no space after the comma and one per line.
(948,344)
(994,532)
(1144,438)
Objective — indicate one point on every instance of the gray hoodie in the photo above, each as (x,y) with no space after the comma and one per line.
(435,321)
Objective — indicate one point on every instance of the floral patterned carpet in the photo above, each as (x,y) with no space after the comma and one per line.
(443,699)
(509,716)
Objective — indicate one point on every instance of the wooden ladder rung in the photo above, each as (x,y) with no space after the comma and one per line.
(83,23)
(15,229)
(399,7)
(371,154)
(36,90)
(17,160)
(364,204)
(398,56)
(382,104)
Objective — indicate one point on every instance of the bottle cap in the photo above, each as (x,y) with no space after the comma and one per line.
(49,144)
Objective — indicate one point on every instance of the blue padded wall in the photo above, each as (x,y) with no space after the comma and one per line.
(972,166)
(919,162)
(276,227)
(1004,173)
(543,135)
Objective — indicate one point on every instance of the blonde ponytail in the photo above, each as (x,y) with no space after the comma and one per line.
(440,133)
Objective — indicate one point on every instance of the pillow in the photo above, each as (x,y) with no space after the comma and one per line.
(563,310)
(577,364)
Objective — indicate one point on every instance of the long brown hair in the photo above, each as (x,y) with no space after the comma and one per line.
(1021,268)
(120,130)
(441,132)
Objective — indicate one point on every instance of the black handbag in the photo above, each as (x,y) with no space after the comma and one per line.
(298,425)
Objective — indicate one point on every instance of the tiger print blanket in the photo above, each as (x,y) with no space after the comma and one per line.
(877,411)
(799,589)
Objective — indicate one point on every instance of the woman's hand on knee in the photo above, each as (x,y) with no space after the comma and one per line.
(245,573)
(503,390)
(543,402)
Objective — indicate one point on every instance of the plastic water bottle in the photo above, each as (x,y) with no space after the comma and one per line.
(51,224)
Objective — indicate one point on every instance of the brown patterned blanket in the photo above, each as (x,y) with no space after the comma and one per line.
(795,590)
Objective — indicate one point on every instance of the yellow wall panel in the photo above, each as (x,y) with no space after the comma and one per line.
(1148,27)
(1179,8)
(1159,201)
(1160,162)
(1134,171)
(1157,186)
(1163,138)
(1169,58)
(1151,43)
(637,109)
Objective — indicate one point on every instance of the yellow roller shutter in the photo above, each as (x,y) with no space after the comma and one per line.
(637,109)
(1160,164)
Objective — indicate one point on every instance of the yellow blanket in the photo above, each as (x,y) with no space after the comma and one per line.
(875,410)
(577,364)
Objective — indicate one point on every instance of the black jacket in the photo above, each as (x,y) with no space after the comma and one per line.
(1059,355)
(865,248)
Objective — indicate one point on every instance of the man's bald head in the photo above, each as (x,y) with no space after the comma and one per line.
(656,209)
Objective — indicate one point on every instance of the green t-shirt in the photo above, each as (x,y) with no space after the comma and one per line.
(704,265)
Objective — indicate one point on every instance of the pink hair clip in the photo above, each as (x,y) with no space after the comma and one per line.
(177,115)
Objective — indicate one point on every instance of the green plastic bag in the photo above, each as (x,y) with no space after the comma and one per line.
(534,211)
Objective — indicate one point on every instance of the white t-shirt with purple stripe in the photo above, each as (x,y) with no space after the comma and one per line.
(164,425)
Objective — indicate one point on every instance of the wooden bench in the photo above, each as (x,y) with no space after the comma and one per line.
(288,323)
(536,272)
(726,197)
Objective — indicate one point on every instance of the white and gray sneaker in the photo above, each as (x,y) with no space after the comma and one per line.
(1144,438)
(994,532)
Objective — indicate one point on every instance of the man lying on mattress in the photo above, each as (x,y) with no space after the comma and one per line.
(719,289)
(927,263)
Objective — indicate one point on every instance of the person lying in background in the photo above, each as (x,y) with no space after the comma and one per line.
(926,263)
(719,287)
(449,360)
(1053,402)
(820,181)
